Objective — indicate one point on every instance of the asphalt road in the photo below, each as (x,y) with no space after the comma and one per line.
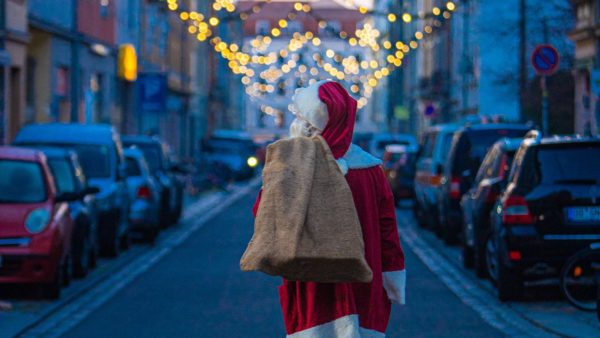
(197,290)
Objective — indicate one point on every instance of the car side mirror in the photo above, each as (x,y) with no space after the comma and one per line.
(67,197)
(122,171)
(90,191)
(439,169)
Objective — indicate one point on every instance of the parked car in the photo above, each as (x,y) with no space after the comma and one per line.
(469,146)
(69,179)
(144,193)
(382,140)
(363,140)
(36,225)
(478,202)
(549,210)
(235,152)
(170,191)
(100,153)
(399,166)
(430,164)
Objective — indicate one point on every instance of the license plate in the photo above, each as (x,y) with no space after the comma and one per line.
(583,214)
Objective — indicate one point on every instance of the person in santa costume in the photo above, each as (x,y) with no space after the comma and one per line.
(348,310)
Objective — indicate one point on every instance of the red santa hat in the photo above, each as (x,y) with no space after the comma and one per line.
(327,106)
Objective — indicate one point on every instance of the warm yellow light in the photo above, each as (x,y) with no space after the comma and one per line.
(363,10)
(330,53)
(450,5)
(298,6)
(252,161)
(213,21)
(447,15)
(184,16)
(372,82)
(352,41)
(127,68)
(387,45)
(275,32)
(283,23)
(428,29)
(414,45)
(436,11)
(406,17)
(392,17)
(306,8)
(418,35)
(316,41)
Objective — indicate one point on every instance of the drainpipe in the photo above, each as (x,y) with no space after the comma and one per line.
(75,71)
(4,60)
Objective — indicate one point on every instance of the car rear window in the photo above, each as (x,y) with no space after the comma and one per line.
(569,164)
(133,167)
(21,182)
(94,159)
(153,155)
(63,175)
(474,144)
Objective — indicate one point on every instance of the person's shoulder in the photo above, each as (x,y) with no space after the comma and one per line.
(357,158)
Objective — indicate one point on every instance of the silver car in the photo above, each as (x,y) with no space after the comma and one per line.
(144,194)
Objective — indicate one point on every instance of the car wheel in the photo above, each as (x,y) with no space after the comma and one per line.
(67,273)
(52,290)
(467,256)
(81,261)
(509,284)
(480,261)
(125,241)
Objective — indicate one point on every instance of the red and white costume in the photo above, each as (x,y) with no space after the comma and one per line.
(348,310)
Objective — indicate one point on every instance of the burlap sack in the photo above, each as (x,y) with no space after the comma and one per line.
(306,228)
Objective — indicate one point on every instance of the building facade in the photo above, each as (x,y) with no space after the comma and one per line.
(586,36)
(13,67)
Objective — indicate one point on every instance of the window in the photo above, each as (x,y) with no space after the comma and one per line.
(63,175)
(132,167)
(262,27)
(94,160)
(104,8)
(21,182)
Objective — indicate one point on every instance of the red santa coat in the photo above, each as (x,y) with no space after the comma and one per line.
(350,310)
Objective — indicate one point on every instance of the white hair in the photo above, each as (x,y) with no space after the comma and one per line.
(303,128)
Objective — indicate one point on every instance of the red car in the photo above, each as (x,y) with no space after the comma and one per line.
(35,223)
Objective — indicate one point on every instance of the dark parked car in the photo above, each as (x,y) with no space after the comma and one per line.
(469,146)
(157,155)
(549,210)
(399,167)
(478,202)
(100,153)
(70,180)
(235,152)
(431,160)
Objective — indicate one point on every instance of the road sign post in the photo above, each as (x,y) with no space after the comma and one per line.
(545,60)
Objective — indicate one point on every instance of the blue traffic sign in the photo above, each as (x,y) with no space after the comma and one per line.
(545,59)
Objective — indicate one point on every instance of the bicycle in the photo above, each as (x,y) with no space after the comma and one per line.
(580,279)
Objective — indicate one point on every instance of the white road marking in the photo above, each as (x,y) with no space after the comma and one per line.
(195,217)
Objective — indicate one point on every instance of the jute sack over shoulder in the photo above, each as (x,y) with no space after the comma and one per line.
(306,228)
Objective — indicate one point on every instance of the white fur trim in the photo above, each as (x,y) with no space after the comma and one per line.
(308,106)
(394,283)
(356,158)
(344,327)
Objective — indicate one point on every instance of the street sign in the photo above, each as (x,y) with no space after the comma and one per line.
(595,82)
(153,92)
(429,110)
(545,59)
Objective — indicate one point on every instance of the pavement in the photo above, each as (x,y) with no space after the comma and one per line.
(190,285)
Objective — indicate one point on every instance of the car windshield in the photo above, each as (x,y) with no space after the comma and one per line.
(474,144)
(21,182)
(94,159)
(153,155)
(63,175)
(569,164)
(222,146)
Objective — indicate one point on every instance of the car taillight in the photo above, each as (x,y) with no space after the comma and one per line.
(454,188)
(516,211)
(144,192)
